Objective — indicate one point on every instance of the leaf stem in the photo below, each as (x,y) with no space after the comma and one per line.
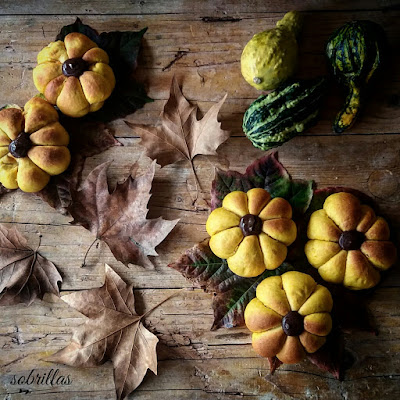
(161,302)
(197,182)
(87,252)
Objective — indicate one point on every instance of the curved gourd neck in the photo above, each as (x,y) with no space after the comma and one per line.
(292,21)
(347,116)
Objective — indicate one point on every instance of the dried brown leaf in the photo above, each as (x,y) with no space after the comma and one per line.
(113,331)
(87,139)
(119,218)
(180,135)
(24,274)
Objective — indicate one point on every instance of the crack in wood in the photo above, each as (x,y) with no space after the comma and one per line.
(220,19)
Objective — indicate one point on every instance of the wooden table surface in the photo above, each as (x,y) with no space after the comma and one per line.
(195,363)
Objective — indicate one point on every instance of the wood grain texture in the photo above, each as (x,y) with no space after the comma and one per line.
(195,363)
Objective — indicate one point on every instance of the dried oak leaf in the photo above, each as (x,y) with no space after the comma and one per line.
(181,136)
(232,293)
(24,274)
(113,331)
(119,218)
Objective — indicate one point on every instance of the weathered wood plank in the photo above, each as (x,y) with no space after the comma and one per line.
(230,8)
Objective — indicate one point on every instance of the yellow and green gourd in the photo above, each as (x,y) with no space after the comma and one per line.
(270,57)
(355,52)
(273,119)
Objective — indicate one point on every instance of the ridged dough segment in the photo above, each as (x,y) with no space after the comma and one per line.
(248,261)
(257,199)
(44,73)
(274,252)
(282,229)
(221,219)
(319,252)
(318,323)
(30,177)
(77,44)
(344,210)
(381,254)
(4,139)
(270,292)
(38,113)
(54,88)
(311,342)
(276,208)
(292,351)
(11,122)
(104,70)
(55,51)
(298,288)
(360,274)
(52,159)
(8,172)
(379,230)
(268,343)
(259,318)
(96,55)
(95,87)
(236,202)
(51,135)
(321,227)
(320,301)
(3,151)
(72,100)
(225,243)
(368,217)
(334,269)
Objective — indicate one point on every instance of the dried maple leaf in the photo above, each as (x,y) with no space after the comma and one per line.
(113,331)
(24,274)
(119,218)
(87,139)
(181,136)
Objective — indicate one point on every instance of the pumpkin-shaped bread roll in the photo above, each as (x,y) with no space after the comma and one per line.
(349,244)
(289,317)
(252,231)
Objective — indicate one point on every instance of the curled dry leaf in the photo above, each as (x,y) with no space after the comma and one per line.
(113,331)
(180,135)
(119,218)
(24,274)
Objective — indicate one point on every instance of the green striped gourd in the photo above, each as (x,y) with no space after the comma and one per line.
(355,51)
(273,119)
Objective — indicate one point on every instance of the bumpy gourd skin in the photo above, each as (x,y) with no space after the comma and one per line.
(289,317)
(355,52)
(32,146)
(270,57)
(74,75)
(252,231)
(349,244)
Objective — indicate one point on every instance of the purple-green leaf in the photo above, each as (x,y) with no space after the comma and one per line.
(267,173)
(232,292)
